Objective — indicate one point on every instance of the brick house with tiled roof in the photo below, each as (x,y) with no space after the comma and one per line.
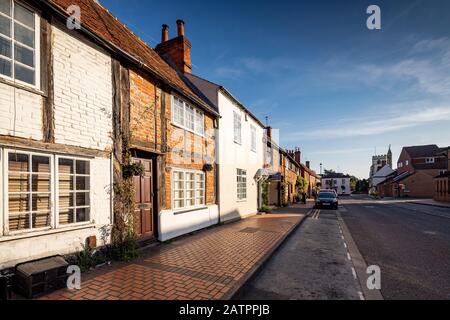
(85,98)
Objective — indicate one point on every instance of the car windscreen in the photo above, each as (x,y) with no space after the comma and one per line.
(327,195)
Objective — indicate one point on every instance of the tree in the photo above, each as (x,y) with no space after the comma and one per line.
(353,183)
(302,185)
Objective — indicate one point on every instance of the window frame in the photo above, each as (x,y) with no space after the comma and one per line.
(196,111)
(75,207)
(37,48)
(241,173)
(5,184)
(185,198)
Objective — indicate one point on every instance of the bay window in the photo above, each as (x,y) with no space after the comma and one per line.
(19,42)
(188,189)
(187,117)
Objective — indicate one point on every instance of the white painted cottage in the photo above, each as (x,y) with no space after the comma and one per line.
(240,152)
(55,136)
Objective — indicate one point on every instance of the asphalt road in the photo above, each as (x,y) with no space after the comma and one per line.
(312,264)
(409,242)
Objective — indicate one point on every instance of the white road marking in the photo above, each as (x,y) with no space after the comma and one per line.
(361,296)
(345,245)
(354,273)
(348,256)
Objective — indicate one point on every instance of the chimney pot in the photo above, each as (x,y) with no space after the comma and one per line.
(180,25)
(165,33)
(308,164)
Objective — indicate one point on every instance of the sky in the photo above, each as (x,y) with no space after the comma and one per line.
(335,89)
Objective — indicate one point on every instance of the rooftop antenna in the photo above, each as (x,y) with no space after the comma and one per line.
(267,121)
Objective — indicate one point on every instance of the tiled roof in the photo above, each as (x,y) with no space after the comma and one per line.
(99,21)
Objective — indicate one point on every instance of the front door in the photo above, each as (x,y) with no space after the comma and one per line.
(143,200)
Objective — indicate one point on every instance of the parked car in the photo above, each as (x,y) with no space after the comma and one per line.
(327,199)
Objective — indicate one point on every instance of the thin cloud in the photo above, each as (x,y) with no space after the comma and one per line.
(369,127)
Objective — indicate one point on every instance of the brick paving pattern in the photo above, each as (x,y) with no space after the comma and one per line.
(211,264)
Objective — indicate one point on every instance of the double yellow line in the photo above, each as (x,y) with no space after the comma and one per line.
(315,214)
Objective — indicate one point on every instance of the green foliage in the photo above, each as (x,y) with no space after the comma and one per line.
(265,209)
(85,259)
(302,185)
(133,170)
(126,250)
(265,193)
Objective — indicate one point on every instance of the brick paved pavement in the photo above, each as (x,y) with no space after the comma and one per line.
(211,264)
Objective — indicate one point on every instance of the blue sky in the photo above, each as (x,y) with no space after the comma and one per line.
(334,88)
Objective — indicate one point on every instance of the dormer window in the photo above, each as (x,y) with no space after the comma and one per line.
(429,160)
(19,43)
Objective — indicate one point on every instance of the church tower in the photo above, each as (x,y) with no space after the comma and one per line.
(389,157)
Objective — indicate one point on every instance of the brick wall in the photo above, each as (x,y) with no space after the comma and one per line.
(22,119)
(421,184)
(145,113)
(190,151)
(82,93)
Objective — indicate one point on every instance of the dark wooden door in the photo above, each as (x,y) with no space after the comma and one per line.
(144,200)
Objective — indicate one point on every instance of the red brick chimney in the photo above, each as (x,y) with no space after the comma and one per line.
(298,155)
(176,51)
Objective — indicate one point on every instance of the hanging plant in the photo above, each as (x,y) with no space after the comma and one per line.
(133,170)
(208,167)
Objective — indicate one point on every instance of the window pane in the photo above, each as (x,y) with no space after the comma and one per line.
(190,117)
(82,199)
(5,26)
(65,184)
(178,194)
(5,67)
(41,220)
(199,122)
(24,35)
(178,204)
(40,164)
(5,7)
(24,74)
(66,166)
(19,222)
(178,110)
(82,167)
(83,183)
(24,55)
(40,183)
(18,182)
(83,215)
(66,200)
(5,47)
(19,203)
(24,16)
(66,216)
(40,202)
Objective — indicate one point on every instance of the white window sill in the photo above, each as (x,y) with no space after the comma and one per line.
(46,232)
(241,200)
(190,209)
(187,129)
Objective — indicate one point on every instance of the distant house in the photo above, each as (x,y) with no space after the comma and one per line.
(272,165)
(416,168)
(442,181)
(290,170)
(380,177)
(338,182)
